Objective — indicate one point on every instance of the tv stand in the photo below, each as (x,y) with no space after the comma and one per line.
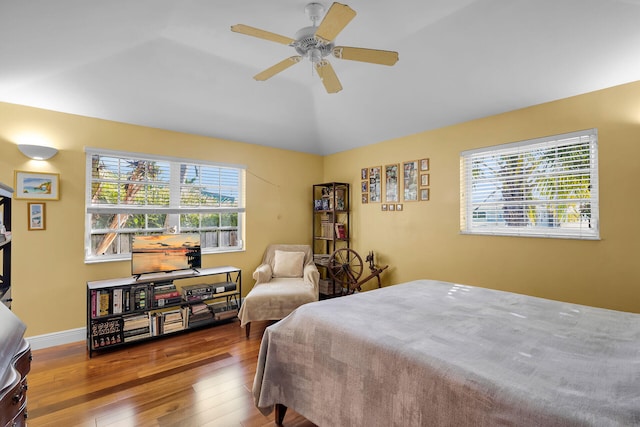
(142,307)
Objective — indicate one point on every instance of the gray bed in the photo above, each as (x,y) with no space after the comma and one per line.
(429,353)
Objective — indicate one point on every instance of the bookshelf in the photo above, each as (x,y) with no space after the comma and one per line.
(6,193)
(128,310)
(330,229)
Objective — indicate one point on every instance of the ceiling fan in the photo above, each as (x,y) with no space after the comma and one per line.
(316,43)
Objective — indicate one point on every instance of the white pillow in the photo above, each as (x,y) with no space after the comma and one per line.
(288,264)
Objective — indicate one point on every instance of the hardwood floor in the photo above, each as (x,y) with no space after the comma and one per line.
(199,378)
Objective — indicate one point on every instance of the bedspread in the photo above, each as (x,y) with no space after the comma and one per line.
(430,353)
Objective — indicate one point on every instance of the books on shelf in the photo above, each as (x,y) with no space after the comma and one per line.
(165,322)
(139,297)
(104,302)
(321,259)
(198,313)
(326,227)
(341,231)
(118,294)
(136,327)
(201,292)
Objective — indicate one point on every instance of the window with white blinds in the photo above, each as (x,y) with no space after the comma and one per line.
(131,193)
(546,187)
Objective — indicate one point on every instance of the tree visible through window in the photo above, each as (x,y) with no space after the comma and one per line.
(138,194)
(543,187)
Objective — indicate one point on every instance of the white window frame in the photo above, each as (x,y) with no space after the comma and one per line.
(173,209)
(483,204)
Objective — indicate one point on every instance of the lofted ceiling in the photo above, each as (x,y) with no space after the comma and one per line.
(175,64)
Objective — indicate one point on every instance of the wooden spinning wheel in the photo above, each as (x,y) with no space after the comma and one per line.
(345,267)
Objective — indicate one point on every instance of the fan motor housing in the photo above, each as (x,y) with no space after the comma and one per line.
(306,42)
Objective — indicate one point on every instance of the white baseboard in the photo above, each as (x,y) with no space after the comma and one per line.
(57,338)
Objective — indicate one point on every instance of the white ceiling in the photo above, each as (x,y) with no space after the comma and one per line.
(175,64)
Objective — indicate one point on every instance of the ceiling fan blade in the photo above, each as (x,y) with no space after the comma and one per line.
(338,16)
(374,56)
(280,66)
(328,77)
(261,34)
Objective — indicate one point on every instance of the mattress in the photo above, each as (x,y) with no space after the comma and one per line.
(442,354)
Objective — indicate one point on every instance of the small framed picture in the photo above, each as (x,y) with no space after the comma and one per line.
(384,206)
(37,185)
(364,173)
(424,194)
(399,206)
(424,180)
(364,186)
(365,198)
(36,219)
(392,207)
(424,165)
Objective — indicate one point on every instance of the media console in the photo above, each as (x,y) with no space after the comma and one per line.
(130,309)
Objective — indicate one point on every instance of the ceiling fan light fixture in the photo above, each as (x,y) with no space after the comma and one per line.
(315,56)
(317,42)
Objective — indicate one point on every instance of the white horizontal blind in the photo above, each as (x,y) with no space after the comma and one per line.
(132,193)
(546,187)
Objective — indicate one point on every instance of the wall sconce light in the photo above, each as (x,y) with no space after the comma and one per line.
(37,152)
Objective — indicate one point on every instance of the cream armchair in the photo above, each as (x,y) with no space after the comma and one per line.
(286,279)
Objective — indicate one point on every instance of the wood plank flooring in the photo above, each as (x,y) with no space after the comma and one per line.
(198,378)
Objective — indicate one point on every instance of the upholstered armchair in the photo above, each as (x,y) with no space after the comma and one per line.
(286,279)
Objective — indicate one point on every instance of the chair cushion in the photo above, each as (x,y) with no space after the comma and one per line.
(288,264)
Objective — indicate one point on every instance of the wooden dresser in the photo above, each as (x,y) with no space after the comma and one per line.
(15,363)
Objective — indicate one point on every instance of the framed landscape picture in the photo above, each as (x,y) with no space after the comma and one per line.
(37,185)
(36,212)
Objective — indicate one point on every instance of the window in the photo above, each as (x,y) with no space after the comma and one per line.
(546,187)
(130,193)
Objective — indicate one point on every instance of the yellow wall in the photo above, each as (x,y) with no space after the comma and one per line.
(49,275)
(424,241)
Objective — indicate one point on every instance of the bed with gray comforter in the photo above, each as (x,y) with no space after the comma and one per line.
(430,353)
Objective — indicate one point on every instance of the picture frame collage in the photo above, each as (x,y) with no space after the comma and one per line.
(37,187)
(408,181)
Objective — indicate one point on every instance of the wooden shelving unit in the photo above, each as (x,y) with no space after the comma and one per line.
(331,229)
(6,194)
(128,310)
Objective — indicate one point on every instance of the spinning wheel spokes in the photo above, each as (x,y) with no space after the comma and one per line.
(345,267)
